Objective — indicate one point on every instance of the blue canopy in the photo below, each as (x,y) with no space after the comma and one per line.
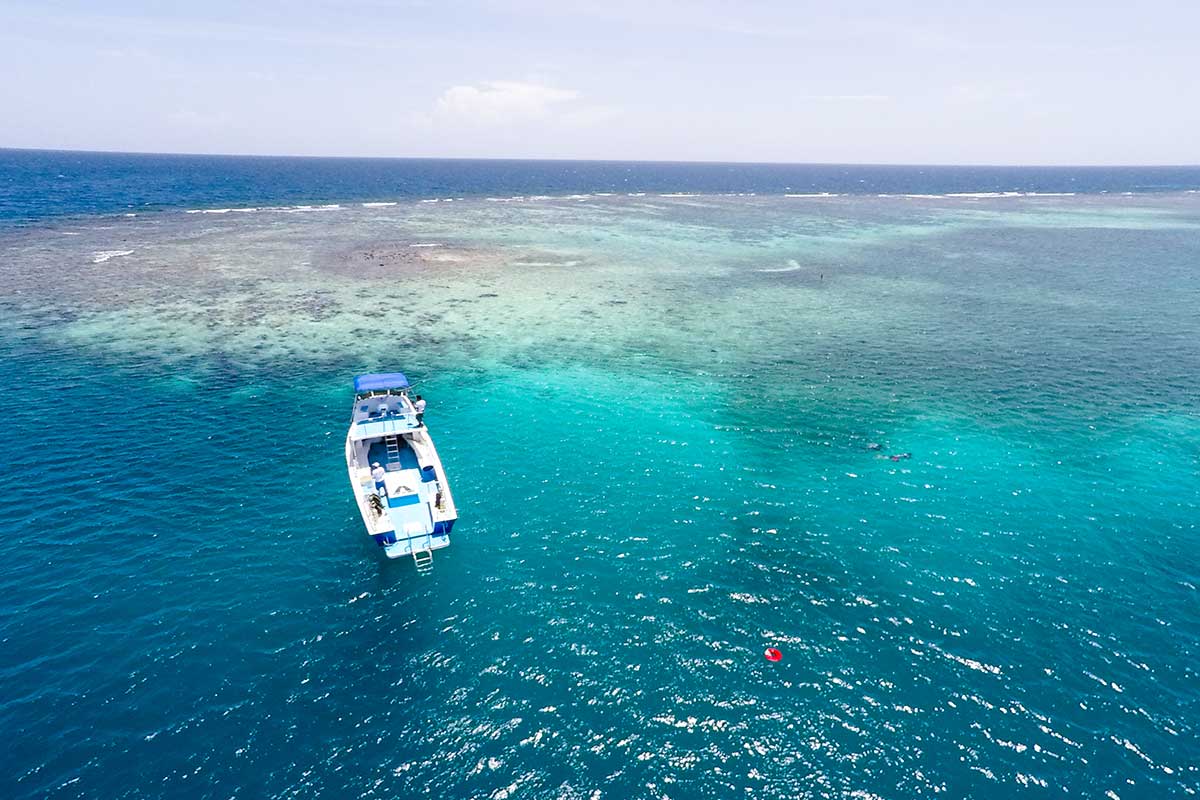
(380,381)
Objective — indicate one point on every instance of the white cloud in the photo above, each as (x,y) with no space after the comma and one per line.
(513,119)
(494,102)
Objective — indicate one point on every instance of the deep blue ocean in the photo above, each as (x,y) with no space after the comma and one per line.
(932,432)
(37,184)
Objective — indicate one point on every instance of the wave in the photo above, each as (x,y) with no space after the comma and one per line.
(274,209)
(985,195)
(792,266)
(101,256)
(980,195)
(425,244)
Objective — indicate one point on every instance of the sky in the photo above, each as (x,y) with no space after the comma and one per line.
(1015,82)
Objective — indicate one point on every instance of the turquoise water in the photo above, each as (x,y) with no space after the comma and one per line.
(658,416)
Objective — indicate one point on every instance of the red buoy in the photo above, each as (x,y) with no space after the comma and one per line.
(773,654)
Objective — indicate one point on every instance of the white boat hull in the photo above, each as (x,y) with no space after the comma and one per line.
(405,501)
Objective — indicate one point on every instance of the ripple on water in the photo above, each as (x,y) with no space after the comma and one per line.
(664,465)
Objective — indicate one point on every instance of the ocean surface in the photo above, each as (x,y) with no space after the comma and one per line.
(941,447)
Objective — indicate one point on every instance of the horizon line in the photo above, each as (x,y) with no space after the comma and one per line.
(712,162)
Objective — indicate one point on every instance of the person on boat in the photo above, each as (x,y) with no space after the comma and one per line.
(378,474)
(419,405)
(376,503)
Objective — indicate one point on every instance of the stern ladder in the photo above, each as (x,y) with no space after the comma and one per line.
(392,443)
(423,560)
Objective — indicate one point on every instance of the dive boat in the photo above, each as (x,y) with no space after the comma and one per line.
(397,477)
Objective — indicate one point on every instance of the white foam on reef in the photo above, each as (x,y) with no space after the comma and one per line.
(104,255)
(425,244)
(792,266)
(680,194)
(979,195)
(814,194)
(545,263)
(273,209)
(378,205)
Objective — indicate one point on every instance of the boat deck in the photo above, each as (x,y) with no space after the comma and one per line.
(378,452)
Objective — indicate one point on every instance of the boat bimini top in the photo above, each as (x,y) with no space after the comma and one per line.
(380,382)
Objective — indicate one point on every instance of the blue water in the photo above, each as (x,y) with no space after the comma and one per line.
(669,422)
(38,184)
